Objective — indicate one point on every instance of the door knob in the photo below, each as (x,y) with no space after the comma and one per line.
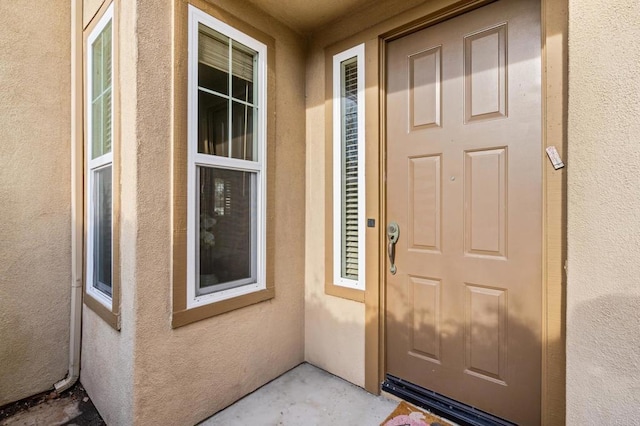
(393,233)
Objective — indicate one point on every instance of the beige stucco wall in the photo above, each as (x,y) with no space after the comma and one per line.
(603,295)
(135,376)
(216,361)
(334,327)
(35,230)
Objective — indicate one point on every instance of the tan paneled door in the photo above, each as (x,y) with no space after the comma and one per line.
(464,184)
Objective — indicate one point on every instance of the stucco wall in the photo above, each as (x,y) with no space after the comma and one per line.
(107,355)
(603,295)
(136,375)
(35,230)
(334,327)
(213,362)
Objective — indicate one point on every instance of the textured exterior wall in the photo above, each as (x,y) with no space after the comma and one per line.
(107,355)
(35,230)
(603,295)
(213,362)
(134,375)
(334,327)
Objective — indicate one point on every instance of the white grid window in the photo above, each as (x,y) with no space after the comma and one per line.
(99,160)
(227,162)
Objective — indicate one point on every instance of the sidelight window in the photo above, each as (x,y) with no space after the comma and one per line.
(348,168)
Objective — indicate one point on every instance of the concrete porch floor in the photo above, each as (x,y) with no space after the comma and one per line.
(306,395)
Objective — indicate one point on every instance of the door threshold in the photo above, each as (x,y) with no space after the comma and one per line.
(462,414)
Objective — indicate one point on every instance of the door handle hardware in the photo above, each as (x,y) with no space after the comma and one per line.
(393,233)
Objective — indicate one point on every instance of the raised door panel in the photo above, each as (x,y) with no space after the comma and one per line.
(425,203)
(425,89)
(485,55)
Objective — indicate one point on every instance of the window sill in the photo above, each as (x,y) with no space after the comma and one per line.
(187,316)
(110,317)
(344,292)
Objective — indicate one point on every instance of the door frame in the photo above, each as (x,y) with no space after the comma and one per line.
(554,29)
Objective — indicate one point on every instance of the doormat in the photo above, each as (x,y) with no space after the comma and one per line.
(408,415)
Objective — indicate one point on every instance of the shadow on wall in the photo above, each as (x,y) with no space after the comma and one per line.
(604,353)
(333,336)
(490,344)
(335,339)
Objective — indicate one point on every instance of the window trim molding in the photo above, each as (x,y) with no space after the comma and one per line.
(358,53)
(330,287)
(106,308)
(182,314)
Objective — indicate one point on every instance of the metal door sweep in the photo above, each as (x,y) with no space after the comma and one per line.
(460,413)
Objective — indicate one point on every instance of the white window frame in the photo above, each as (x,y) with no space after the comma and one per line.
(195,159)
(358,52)
(95,164)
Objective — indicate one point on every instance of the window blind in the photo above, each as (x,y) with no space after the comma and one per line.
(101,93)
(349,115)
(213,51)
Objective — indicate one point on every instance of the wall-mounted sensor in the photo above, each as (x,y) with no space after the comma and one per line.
(552,152)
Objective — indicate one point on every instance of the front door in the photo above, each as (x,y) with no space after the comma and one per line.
(464,185)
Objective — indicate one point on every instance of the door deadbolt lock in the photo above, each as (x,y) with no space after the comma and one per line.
(393,233)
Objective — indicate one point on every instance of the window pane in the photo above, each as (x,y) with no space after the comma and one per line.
(213,60)
(96,67)
(101,122)
(242,89)
(243,72)
(349,113)
(102,230)
(96,128)
(106,121)
(243,135)
(106,56)
(213,124)
(227,229)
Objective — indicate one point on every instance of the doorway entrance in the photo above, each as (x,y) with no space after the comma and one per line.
(464,187)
